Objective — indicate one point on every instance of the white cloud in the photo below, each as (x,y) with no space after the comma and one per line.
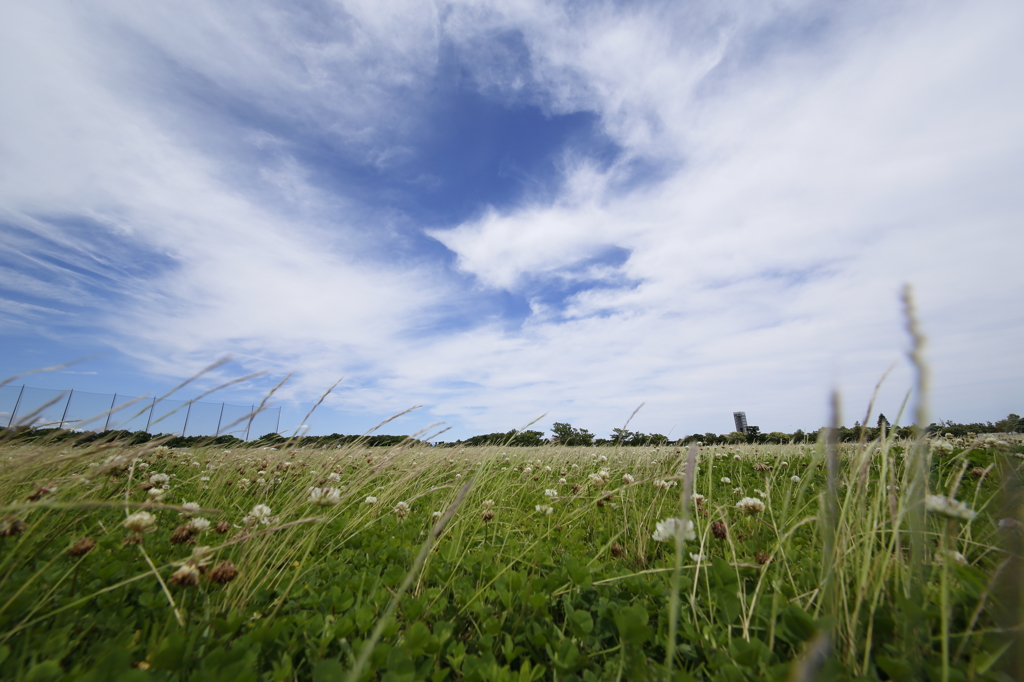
(803,177)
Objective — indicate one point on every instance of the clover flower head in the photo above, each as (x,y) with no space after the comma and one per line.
(750,505)
(188,509)
(528,470)
(628,479)
(562,481)
(726,479)
(488,504)
(783,464)
(946,506)
(670,528)
(942,445)
(371,500)
(602,459)
(198,525)
(544,509)
(140,522)
(795,479)
(402,510)
(551,492)
(159,479)
(333,477)
(261,513)
(327,497)
(698,498)
(698,558)
(736,457)
(436,515)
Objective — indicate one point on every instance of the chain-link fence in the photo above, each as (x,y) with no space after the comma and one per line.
(84,411)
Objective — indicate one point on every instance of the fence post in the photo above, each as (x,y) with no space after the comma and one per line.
(150,419)
(219,420)
(252,415)
(16,403)
(187,413)
(106,424)
(66,406)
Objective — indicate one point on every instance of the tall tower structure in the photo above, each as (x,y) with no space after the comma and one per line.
(741,421)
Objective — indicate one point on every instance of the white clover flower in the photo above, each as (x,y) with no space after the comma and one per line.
(333,477)
(726,479)
(140,522)
(196,464)
(371,500)
(547,469)
(204,479)
(551,492)
(575,466)
(402,509)
(698,558)
(736,457)
(327,497)
(142,466)
(156,494)
(159,479)
(795,479)
(627,479)
(528,470)
(954,509)
(750,505)
(761,492)
(602,459)
(188,509)
(544,509)
(244,483)
(956,556)
(737,491)
(261,473)
(488,504)
(668,529)
(698,498)
(436,515)
(261,513)
(664,485)
(261,481)
(504,468)
(562,481)
(198,525)
(458,476)
(942,445)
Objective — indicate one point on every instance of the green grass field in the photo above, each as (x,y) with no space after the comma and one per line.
(496,563)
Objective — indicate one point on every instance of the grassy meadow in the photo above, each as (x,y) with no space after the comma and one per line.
(824,561)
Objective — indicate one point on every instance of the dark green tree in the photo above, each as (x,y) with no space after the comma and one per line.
(566,434)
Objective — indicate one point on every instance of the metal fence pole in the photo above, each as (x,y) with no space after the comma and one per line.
(66,406)
(150,419)
(219,420)
(16,403)
(106,424)
(252,415)
(187,413)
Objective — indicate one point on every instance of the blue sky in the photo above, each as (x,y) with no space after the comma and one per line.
(499,211)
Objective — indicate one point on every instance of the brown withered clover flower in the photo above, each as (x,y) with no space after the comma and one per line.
(81,547)
(10,526)
(718,530)
(223,573)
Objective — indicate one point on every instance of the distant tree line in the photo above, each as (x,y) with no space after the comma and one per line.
(562,434)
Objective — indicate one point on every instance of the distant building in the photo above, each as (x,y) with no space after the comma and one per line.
(741,421)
